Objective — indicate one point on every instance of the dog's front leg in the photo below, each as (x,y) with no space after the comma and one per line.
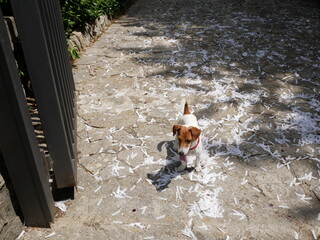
(182,166)
(198,163)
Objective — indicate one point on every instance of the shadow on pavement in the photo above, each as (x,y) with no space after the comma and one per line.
(162,178)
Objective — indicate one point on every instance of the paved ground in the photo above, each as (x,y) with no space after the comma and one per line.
(250,70)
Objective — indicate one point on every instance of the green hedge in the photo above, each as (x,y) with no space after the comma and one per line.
(76,13)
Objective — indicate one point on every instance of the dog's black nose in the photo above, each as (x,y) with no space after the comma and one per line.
(181,153)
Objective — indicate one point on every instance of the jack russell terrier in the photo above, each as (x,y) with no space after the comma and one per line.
(187,139)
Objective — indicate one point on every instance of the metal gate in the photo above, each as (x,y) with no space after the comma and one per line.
(41,32)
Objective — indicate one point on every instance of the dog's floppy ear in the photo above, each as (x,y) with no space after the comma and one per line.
(195,132)
(175,129)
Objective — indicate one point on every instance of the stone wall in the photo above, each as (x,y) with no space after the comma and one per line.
(81,40)
(10,223)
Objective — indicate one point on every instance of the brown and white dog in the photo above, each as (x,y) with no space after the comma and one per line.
(187,138)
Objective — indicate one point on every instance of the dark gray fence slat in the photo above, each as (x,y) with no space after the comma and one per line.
(30,25)
(52,9)
(65,63)
(52,37)
(18,145)
(69,74)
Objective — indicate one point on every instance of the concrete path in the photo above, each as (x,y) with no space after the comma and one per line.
(250,70)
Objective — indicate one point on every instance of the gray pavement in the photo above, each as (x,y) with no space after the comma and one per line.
(250,71)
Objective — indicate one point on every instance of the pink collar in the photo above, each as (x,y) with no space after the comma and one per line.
(196,144)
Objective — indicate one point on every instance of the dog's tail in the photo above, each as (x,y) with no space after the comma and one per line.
(186,107)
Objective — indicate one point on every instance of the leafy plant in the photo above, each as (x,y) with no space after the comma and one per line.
(76,13)
(109,7)
(73,52)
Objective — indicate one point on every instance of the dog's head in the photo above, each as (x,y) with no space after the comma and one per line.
(185,135)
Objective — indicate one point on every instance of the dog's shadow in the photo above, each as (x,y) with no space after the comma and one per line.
(162,178)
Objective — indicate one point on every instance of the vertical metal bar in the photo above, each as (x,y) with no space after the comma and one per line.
(18,145)
(59,36)
(52,11)
(41,70)
(64,45)
(57,20)
(69,73)
(67,70)
(56,61)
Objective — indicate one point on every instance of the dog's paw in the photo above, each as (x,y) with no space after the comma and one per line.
(198,168)
(182,167)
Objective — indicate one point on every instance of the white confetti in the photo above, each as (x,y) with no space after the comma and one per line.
(116,213)
(143,209)
(256,189)
(241,216)
(294,182)
(50,235)
(98,204)
(203,226)
(137,224)
(21,234)
(283,206)
(244,181)
(160,217)
(188,232)
(303,197)
(61,205)
(307,177)
(97,189)
(120,193)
